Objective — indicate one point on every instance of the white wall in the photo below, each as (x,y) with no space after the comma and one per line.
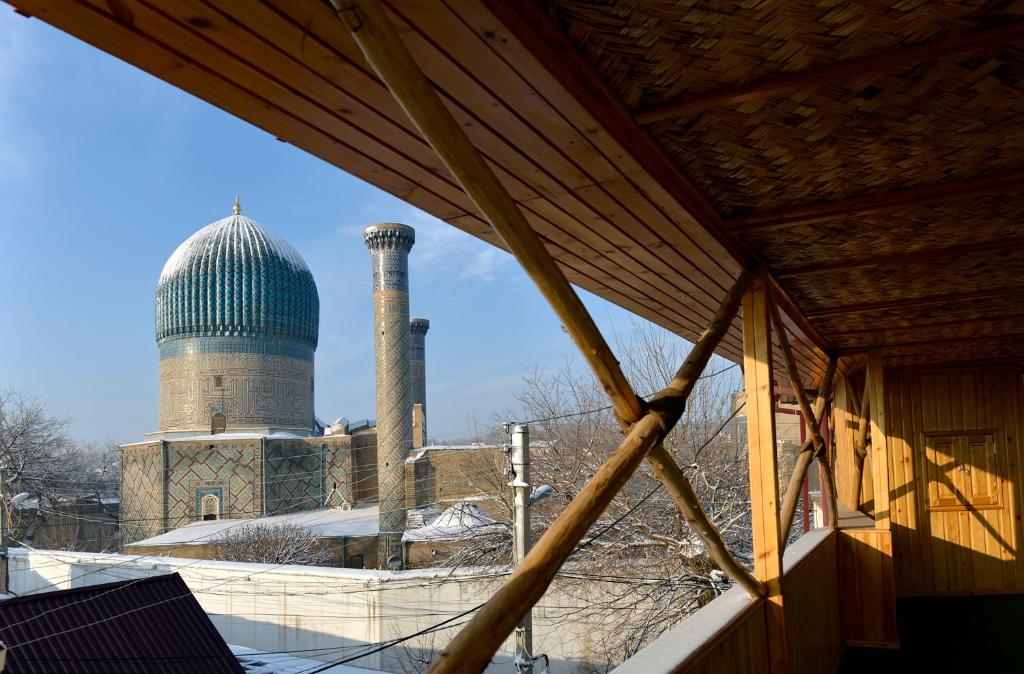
(295,608)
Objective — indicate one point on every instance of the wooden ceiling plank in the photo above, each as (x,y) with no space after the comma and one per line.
(999,183)
(875,63)
(590,206)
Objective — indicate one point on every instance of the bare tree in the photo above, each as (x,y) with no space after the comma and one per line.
(262,543)
(73,487)
(641,569)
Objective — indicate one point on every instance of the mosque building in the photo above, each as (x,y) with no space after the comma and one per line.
(237,323)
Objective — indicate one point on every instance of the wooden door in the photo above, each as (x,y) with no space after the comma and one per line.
(955,478)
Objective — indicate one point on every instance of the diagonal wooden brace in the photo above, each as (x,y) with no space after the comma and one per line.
(473,648)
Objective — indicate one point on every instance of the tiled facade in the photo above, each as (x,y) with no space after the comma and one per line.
(162,483)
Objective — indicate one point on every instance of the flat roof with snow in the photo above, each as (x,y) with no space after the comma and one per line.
(360,520)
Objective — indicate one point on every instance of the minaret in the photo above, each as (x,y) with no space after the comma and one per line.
(417,334)
(389,245)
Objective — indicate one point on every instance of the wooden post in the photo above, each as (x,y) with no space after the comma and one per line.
(879,459)
(764,477)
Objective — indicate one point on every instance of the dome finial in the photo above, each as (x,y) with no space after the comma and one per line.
(238,207)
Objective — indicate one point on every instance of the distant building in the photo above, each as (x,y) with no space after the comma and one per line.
(237,326)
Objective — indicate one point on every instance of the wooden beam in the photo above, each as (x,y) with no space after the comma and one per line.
(670,474)
(882,62)
(991,293)
(474,646)
(901,259)
(763,464)
(878,203)
(875,383)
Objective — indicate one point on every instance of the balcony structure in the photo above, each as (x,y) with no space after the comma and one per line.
(829,195)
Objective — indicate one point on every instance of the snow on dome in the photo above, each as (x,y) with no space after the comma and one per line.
(236,278)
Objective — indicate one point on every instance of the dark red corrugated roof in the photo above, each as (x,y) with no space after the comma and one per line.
(150,625)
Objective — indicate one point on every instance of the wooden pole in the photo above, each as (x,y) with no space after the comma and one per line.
(794,379)
(875,383)
(860,445)
(386,52)
(472,649)
(669,473)
(806,454)
(763,464)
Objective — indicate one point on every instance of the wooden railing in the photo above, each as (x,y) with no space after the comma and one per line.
(728,635)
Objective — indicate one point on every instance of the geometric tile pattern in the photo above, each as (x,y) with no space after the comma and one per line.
(389,246)
(163,483)
(142,477)
(234,277)
(252,389)
(234,467)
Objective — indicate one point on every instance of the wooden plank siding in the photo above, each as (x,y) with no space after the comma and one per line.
(811,588)
(294,70)
(868,594)
(967,540)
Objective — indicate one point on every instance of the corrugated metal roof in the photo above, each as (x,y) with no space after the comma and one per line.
(145,625)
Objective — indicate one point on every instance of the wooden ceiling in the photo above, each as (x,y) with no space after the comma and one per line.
(867,152)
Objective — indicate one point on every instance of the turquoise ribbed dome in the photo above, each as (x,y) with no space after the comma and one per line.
(235,278)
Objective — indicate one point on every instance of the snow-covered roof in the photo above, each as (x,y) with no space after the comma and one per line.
(459,522)
(259,662)
(420,451)
(360,520)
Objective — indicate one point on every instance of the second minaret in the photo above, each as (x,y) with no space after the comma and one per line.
(389,245)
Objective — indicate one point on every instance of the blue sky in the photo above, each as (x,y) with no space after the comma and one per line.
(104,170)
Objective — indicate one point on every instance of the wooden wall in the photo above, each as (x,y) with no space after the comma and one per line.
(811,591)
(868,601)
(955,478)
(741,648)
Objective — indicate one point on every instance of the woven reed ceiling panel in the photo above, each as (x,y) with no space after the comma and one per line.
(892,99)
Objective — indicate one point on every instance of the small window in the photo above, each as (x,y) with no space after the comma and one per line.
(218,381)
(355,562)
(209,507)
